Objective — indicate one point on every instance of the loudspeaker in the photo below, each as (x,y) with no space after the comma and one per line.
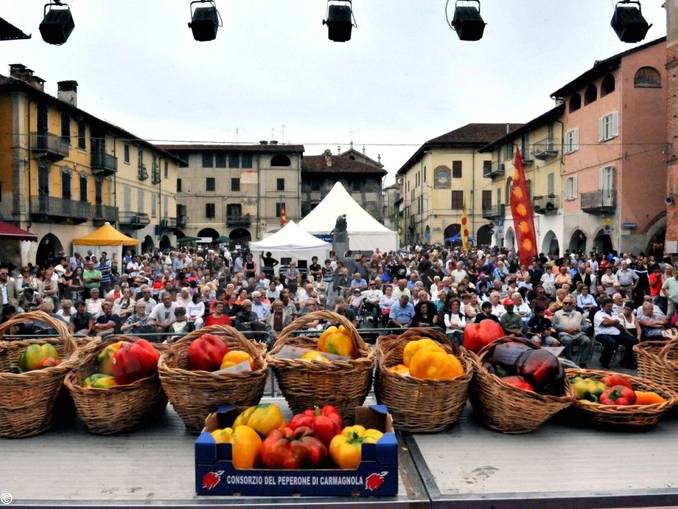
(205,23)
(57,26)
(669,200)
(629,23)
(339,23)
(468,23)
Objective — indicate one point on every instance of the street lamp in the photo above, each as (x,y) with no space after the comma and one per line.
(340,20)
(57,23)
(467,21)
(205,20)
(628,21)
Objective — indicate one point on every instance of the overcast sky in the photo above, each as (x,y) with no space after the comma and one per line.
(402,79)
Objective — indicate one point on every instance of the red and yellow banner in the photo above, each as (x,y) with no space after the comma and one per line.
(283,215)
(464,228)
(523,214)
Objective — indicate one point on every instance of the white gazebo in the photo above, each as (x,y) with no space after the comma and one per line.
(291,241)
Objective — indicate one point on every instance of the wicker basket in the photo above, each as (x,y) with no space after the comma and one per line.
(27,399)
(632,417)
(503,407)
(658,362)
(194,394)
(420,406)
(119,409)
(342,383)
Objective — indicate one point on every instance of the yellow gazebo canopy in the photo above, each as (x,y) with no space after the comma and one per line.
(106,235)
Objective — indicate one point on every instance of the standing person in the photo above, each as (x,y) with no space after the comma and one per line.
(75,285)
(315,269)
(250,268)
(8,292)
(627,279)
(105,269)
(656,281)
(91,278)
(670,290)
(269,264)
(608,331)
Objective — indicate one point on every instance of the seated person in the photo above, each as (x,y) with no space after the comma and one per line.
(181,325)
(218,317)
(425,312)
(485,313)
(107,322)
(608,331)
(569,324)
(402,312)
(139,322)
(81,322)
(540,329)
(652,322)
(511,321)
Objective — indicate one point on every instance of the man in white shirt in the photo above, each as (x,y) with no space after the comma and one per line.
(66,312)
(607,330)
(93,304)
(458,274)
(162,315)
(258,307)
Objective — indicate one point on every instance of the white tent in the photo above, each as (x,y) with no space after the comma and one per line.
(365,233)
(291,241)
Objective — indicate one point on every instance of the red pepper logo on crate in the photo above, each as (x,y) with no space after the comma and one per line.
(211,479)
(375,481)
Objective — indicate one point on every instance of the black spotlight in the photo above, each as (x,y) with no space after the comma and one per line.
(205,20)
(340,20)
(628,21)
(57,23)
(467,21)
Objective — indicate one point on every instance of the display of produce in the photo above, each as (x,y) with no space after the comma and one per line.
(134,361)
(105,358)
(618,395)
(262,418)
(292,449)
(336,340)
(346,448)
(314,355)
(425,359)
(325,422)
(613,389)
(235,357)
(518,381)
(206,353)
(37,356)
(99,381)
(245,442)
(478,335)
(400,369)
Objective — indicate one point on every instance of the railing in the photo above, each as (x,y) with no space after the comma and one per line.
(103,213)
(49,145)
(546,204)
(495,170)
(155,175)
(543,149)
(599,202)
(104,163)
(238,220)
(168,222)
(142,172)
(134,218)
(495,212)
(60,208)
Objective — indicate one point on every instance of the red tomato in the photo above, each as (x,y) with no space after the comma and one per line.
(477,335)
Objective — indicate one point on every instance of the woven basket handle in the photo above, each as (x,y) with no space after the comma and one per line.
(41,316)
(245,343)
(664,354)
(285,335)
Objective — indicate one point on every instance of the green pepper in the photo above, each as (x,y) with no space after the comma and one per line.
(38,356)
(99,381)
(587,388)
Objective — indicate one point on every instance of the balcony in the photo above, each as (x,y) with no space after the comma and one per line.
(543,149)
(155,175)
(104,164)
(181,221)
(599,202)
(142,172)
(104,214)
(546,205)
(134,220)
(243,220)
(495,170)
(49,146)
(496,212)
(50,209)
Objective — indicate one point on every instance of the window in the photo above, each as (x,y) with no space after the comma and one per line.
(141,200)
(166,169)
(575,102)
(457,200)
(66,127)
(315,185)
(83,188)
(220,160)
(154,204)
(207,160)
(235,185)
(608,127)
(280,184)
(98,191)
(551,184)
(210,211)
(424,173)
(572,140)
(498,196)
(210,184)
(571,188)
(509,151)
(280,160)
(607,86)
(128,199)
(165,206)
(234,210)
(487,167)
(66,185)
(178,185)
(279,207)
(82,135)
(607,181)
(184,161)
(126,153)
(647,77)
(591,94)
(487,200)
(234,160)
(246,161)
(523,147)
(456,169)
(141,157)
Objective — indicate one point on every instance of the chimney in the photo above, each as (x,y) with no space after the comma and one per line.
(273,142)
(68,92)
(23,73)
(263,142)
(328,158)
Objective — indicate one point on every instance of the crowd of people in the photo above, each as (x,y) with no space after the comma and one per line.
(575,301)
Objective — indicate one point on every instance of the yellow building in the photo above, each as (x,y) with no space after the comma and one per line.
(442,176)
(540,143)
(64,171)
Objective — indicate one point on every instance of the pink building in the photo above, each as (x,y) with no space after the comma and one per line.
(614,177)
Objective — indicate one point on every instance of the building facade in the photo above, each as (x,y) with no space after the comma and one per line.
(60,167)
(440,178)
(392,201)
(237,193)
(614,152)
(540,143)
(671,246)
(360,175)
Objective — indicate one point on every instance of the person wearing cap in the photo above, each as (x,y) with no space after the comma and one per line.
(510,321)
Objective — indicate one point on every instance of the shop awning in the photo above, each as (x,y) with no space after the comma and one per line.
(106,235)
(9,231)
(187,239)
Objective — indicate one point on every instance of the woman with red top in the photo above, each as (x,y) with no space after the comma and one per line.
(218,317)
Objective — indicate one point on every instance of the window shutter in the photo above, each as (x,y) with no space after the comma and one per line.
(614,121)
(601,129)
(575,139)
(574,187)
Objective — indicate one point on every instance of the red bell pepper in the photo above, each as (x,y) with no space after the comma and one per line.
(617,379)
(291,449)
(618,395)
(519,382)
(477,335)
(206,353)
(134,361)
(542,370)
(325,422)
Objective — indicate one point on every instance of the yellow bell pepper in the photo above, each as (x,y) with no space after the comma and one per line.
(105,358)
(262,418)
(400,369)
(245,444)
(99,381)
(413,347)
(336,341)
(222,436)
(234,357)
(314,355)
(432,364)
(38,356)
(346,448)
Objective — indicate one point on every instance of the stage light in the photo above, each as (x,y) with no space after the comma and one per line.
(57,23)
(628,21)
(467,21)
(205,20)
(340,20)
